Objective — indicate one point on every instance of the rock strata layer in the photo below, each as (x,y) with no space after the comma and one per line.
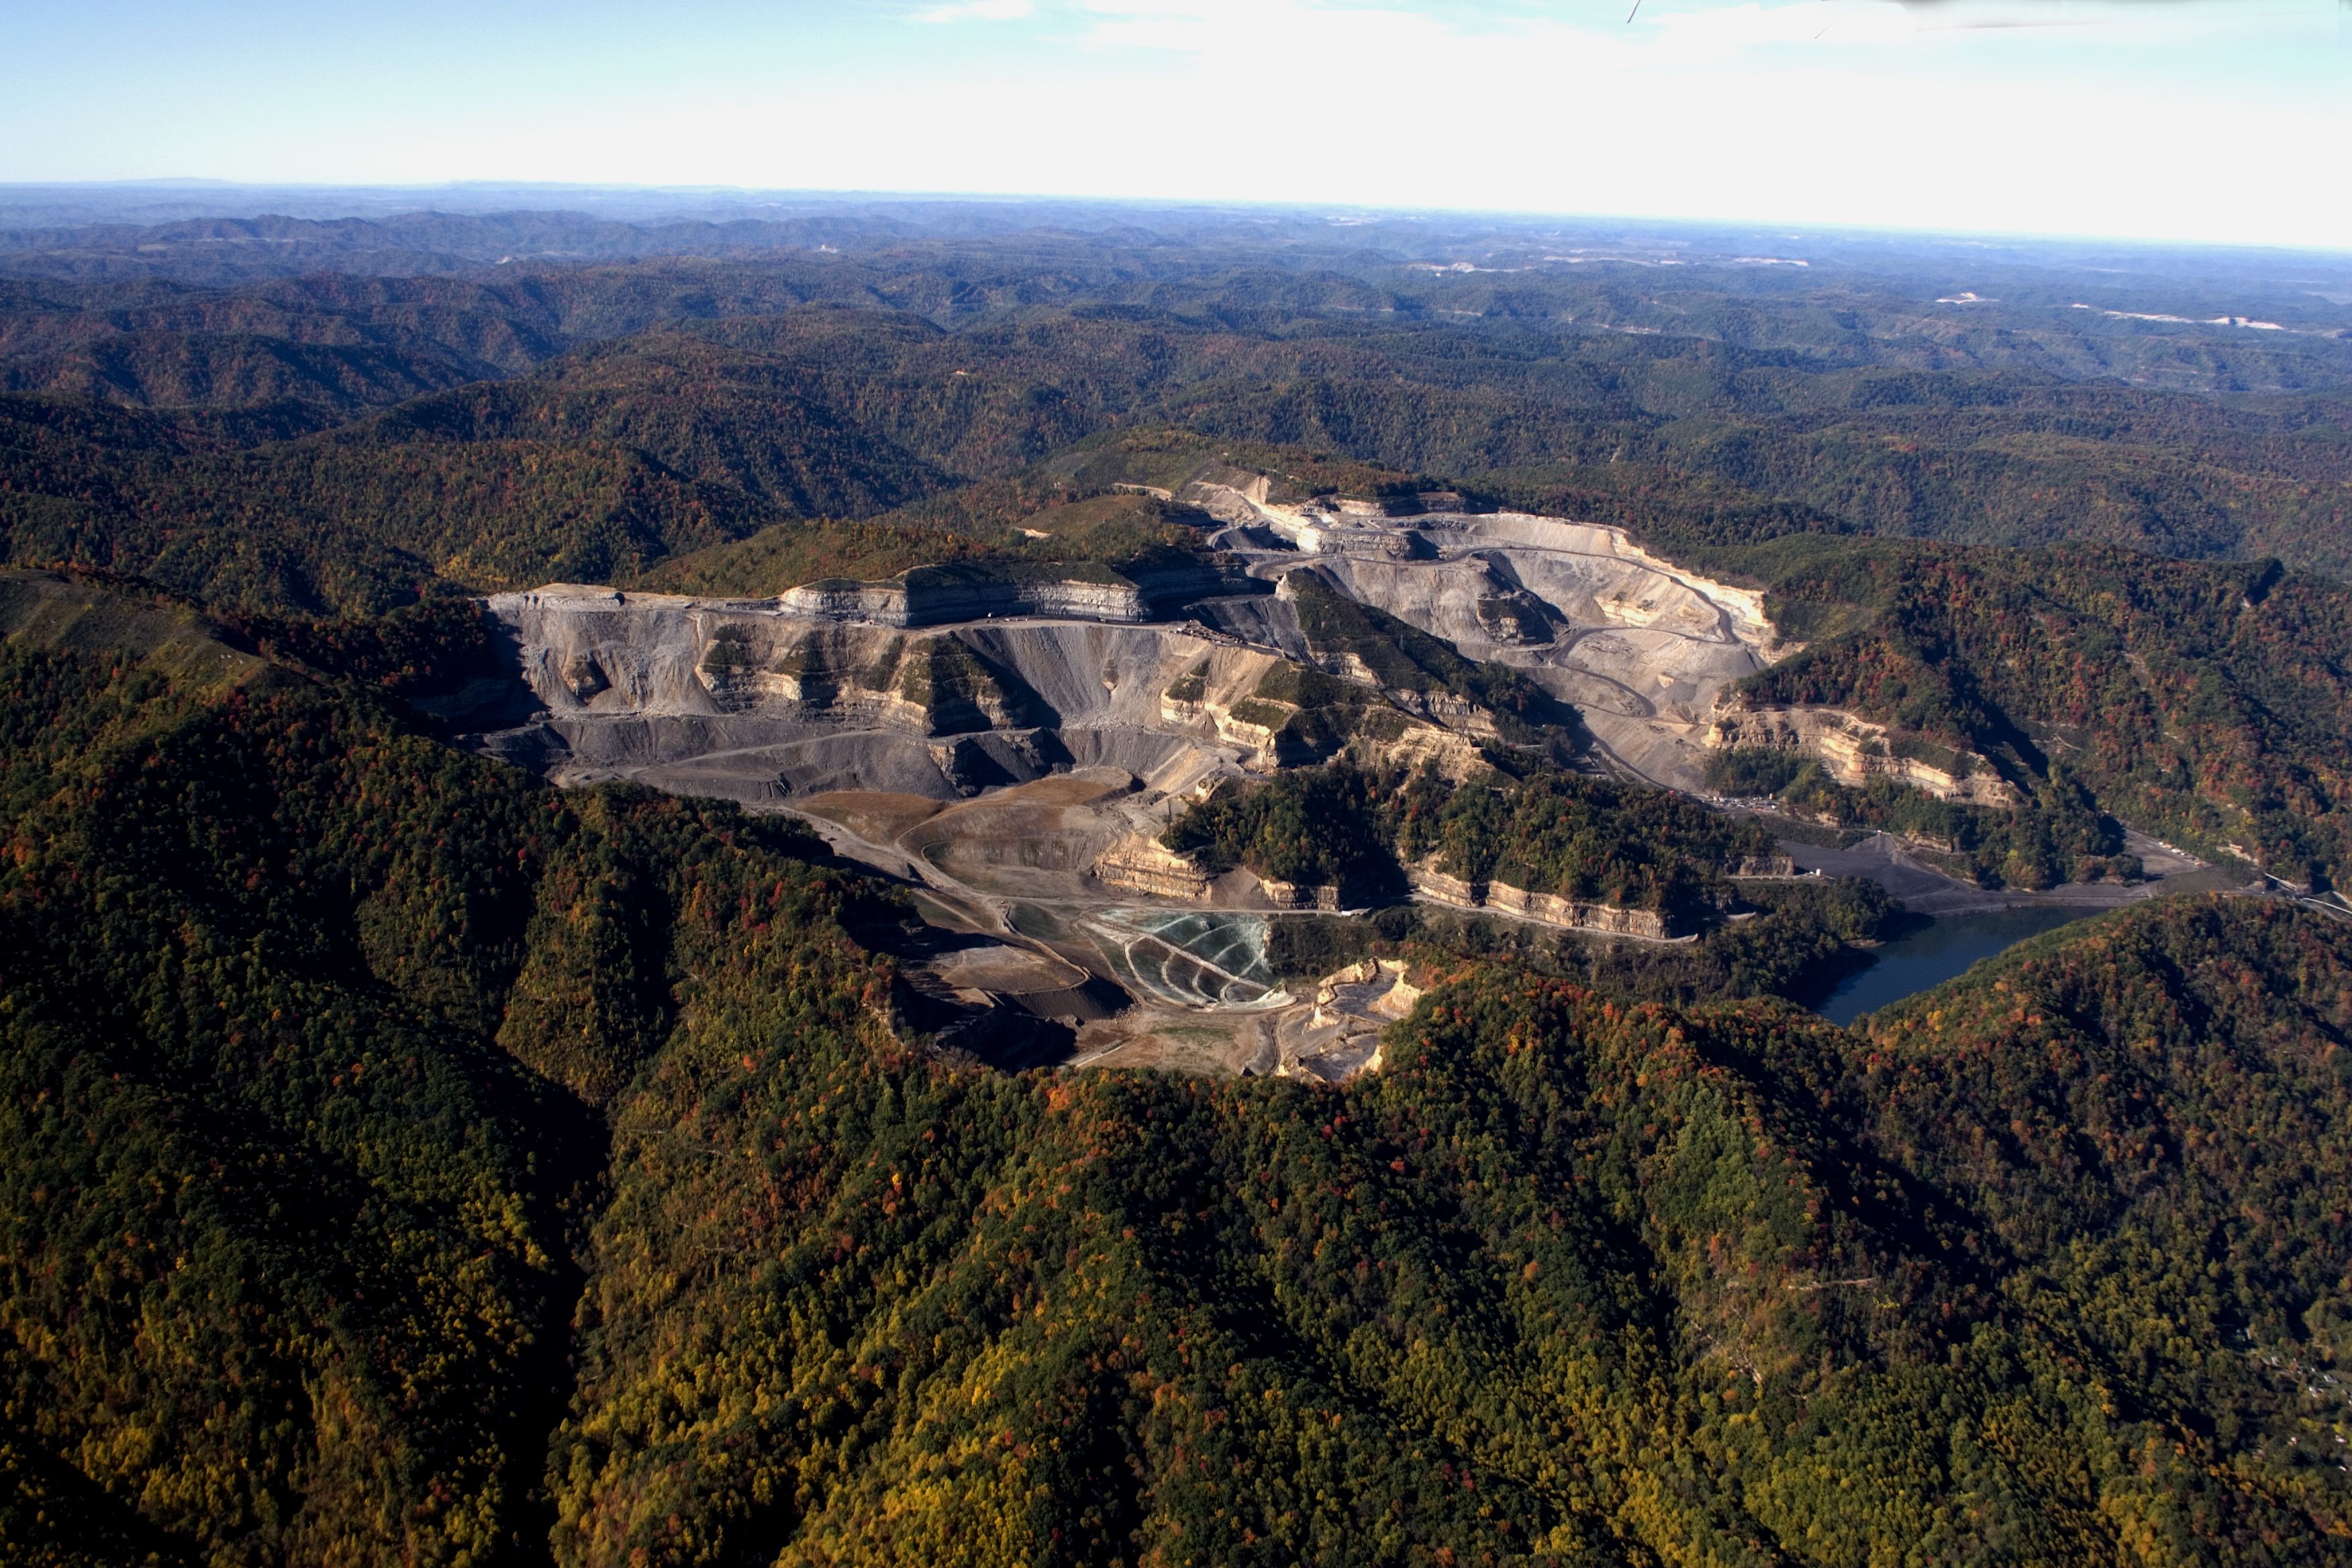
(1549,908)
(1853,751)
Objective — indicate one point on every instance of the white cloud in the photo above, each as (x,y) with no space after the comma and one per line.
(1715,33)
(1341,34)
(979,11)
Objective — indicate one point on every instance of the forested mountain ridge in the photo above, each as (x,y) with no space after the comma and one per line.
(1854,391)
(769,430)
(854,413)
(319,526)
(607,1082)
(2201,701)
(307,1020)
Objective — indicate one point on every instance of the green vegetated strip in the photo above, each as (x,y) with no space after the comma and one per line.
(1402,658)
(1313,827)
(373,1114)
(2061,833)
(1014,532)
(1543,831)
(1795,939)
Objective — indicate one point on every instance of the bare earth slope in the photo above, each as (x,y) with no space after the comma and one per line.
(1640,647)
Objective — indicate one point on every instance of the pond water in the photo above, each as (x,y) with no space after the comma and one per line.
(1935,952)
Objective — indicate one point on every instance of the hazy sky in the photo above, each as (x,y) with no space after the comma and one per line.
(2164,119)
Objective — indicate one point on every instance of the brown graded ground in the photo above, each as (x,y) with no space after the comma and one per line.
(876,814)
(1036,840)
(1007,971)
(1031,844)
(1075,788)
(1209,1044)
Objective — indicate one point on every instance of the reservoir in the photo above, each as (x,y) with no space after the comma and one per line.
(1937,951)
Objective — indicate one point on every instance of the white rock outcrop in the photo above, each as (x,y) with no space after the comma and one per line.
(1853,751)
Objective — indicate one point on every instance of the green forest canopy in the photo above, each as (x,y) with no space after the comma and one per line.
(407,1161)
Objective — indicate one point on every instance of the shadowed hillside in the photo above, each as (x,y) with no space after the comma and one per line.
(652,1241)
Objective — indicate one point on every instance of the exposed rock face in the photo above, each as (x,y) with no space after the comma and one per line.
(752,699)
(1454,756)
(755,700)
(1641,647)
(1340,1037)
(1142,864)
(1300,895)
(583,677)
(1262,727)
(1761,865)
(1553,910)
(843,600)
(1854,751)
(1457,713)
(1548,908)
(1513,618)
(955,677)
(926,597)
(1183,702)
(1432,883)
(1229,495)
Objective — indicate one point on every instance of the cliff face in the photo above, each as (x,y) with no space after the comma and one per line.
(920,601)
(1340,1037)
(755,700)
(1428,882)
(1300,895)
(1455,756)
(944,596)
(1142,864)
(1642,648)
(1854,751)
(594,651)
(683,678)
(951,678)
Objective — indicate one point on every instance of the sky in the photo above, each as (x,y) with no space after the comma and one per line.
(2213,121)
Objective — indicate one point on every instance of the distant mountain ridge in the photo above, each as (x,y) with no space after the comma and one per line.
(1850,390)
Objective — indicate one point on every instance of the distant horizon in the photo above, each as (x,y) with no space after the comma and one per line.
(318,189)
